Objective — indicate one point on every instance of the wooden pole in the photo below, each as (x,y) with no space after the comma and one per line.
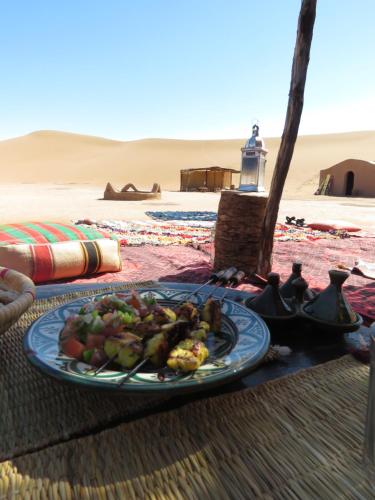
(293,116)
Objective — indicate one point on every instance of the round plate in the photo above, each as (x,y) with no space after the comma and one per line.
(241,345)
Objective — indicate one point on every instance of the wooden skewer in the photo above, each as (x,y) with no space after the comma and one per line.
(233,276)
(220,278)
(141,363)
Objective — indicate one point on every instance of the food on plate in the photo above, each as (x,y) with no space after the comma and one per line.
(125,329)
(188,355)
(212,314)
(126,349)
(156,349)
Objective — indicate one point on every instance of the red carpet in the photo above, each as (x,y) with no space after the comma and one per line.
(182,263)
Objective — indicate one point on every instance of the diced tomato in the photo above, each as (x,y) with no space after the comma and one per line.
(66,332)
(72,347)
(109,330)
(94,341)
(70,326)
(71,319)
(135,301)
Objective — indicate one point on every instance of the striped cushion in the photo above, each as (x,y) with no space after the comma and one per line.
(46,232)
(46,262)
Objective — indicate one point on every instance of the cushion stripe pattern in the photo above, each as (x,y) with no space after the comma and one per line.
(28,233)
(42,262)
(53,261)
(47,232)
(92,257)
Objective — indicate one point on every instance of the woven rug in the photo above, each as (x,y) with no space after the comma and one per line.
(186,264)
(35,410)
(137,233)
(195,232)
(299,437)
(183,216)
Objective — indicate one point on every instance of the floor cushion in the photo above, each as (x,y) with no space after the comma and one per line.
(334,225)
(47,232)
(53,261)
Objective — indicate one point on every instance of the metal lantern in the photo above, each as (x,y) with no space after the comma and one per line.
(253,163)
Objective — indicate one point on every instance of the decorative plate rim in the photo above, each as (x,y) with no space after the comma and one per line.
(188,385)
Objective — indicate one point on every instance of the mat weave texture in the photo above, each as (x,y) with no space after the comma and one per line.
(299,437)
(35,410)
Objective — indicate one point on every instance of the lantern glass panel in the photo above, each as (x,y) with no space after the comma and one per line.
(249,173)
(262,166)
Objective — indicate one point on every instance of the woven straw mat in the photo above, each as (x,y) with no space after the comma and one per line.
(36,411)
(298,437)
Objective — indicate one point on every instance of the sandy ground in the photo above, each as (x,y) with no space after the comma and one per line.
(64,202)
(57,157)
(61,176)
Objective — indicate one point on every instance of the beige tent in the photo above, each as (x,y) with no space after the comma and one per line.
(349,178)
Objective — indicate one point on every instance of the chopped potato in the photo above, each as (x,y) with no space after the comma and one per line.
(157,349)
(188,355)
(128,349)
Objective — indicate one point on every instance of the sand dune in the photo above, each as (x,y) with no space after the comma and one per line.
(59,157)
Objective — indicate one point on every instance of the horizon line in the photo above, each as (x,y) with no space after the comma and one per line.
(202,139)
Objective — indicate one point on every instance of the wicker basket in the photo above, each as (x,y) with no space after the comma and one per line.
(21,284)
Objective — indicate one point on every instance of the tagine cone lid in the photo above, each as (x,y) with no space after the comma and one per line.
(331,305)
(300,286)
(288,290)
(270,302)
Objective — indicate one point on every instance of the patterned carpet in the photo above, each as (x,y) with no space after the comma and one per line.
(195,232)
(184,263)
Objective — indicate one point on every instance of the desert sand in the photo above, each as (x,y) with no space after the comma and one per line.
(62,176)
(65,202)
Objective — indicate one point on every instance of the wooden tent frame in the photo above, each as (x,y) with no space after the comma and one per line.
(188,171)
(301,59)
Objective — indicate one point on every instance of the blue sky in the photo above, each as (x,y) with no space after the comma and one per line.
(129,69)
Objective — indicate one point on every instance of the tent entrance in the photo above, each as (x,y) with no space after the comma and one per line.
(349,184)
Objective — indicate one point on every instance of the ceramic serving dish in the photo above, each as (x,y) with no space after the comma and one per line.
(241,345)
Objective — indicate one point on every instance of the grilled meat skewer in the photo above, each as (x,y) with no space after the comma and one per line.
(128,329)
